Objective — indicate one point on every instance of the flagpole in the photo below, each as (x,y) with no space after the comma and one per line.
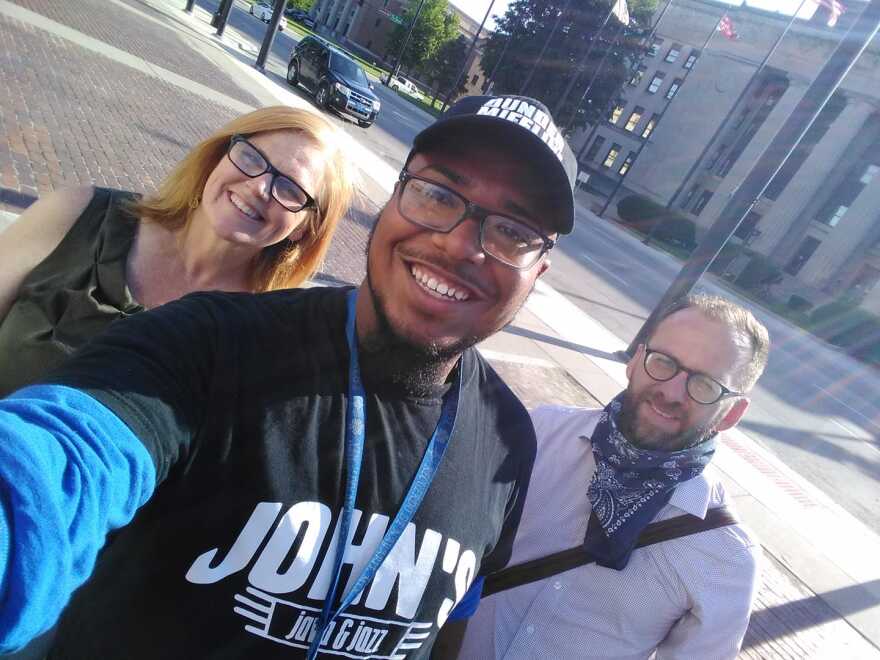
(660,117)
(585,59)
(598,123)
(544,48)
(827,81)
(733,108)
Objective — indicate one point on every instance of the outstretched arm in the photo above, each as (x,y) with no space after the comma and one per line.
(70,472)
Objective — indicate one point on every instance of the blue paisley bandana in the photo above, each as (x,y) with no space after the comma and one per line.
(631,485)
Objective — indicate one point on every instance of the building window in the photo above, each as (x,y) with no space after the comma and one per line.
(637,75)
(713,160)
(369,43)
(634,118)
(702,200)
(691,60)
(613,152)
(594,148)
(615,114)
(654,48)
(803,254)
(650,126)
(673,88)
(689,196)
(747,226)
(475,79)
(869,174)
(656,81)
(631,156)
(674,52)
(835,217)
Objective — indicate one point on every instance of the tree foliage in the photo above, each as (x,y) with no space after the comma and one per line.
(436,25)
(443,69)
(561,76)
(304,5)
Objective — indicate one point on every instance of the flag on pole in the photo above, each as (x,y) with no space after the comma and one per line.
(621,11)
(725,27)
(835,9)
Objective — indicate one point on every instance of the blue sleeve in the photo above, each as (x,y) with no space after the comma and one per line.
(70,472)
(467,606)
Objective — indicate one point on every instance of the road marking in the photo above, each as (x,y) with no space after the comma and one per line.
(831,396)
(607,271)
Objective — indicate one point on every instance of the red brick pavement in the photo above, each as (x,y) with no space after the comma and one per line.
(70,116)
(108,22)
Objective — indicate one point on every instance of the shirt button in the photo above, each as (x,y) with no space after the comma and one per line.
(530,629)
(557,585)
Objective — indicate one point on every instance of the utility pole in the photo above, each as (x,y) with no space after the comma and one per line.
(467,58)
(733,108)
(850,48)
(491,80)
(277,17)
(544,47)
(189,6)
(396,68)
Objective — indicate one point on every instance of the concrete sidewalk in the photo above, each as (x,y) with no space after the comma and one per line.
(82,96)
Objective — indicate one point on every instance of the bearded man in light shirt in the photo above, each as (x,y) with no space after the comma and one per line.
(602,476)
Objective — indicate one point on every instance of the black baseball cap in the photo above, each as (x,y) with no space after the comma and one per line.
(527,123)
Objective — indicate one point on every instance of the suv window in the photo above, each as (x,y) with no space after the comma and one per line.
(347,68)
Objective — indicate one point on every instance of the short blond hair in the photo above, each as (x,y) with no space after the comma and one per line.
(285,264)
(751,334)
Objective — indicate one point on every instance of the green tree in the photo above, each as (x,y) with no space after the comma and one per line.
(443,69)
(304,5)
(525,28)
(436,25)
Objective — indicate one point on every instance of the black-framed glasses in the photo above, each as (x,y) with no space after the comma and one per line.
(438,208)
(700,387)
(251,162)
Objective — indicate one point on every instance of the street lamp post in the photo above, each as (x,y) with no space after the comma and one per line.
(468,56)
(396,68)
(544,47)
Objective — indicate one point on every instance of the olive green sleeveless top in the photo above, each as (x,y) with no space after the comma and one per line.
(72,295)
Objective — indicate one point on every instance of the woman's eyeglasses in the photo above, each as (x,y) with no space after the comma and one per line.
(251,162)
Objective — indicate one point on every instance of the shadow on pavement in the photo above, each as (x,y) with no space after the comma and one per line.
(16,199)
(797,615)
(547,339)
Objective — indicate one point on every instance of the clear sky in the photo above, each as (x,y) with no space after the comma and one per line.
(476,9)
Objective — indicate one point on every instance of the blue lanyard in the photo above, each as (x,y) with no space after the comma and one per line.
(355,425)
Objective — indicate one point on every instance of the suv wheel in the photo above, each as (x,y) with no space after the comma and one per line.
(321,96)
(364,124)
(293,74)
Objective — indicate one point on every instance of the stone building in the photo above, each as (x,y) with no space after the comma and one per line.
(692,122)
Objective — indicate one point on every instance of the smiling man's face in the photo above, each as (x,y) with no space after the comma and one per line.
(660,414)
(440,292)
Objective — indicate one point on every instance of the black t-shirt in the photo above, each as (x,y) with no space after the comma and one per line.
(240,399)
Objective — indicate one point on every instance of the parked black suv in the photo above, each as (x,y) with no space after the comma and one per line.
(337,81)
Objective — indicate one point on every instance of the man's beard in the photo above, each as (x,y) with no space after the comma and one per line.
(389,356)
(628,424)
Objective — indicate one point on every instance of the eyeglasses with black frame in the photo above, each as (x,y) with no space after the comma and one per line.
(701,388)
(251,162)
(438,208)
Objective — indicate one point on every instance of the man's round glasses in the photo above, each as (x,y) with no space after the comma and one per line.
(438,208)
(251,162)
(700,387)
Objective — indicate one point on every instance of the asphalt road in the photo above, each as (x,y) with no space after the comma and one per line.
(816,409)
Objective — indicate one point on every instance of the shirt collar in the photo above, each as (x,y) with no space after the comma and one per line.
(692,496)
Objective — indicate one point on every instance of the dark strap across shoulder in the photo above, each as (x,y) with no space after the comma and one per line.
(559,562)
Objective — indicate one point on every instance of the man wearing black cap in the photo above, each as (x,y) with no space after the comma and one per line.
(298,473)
